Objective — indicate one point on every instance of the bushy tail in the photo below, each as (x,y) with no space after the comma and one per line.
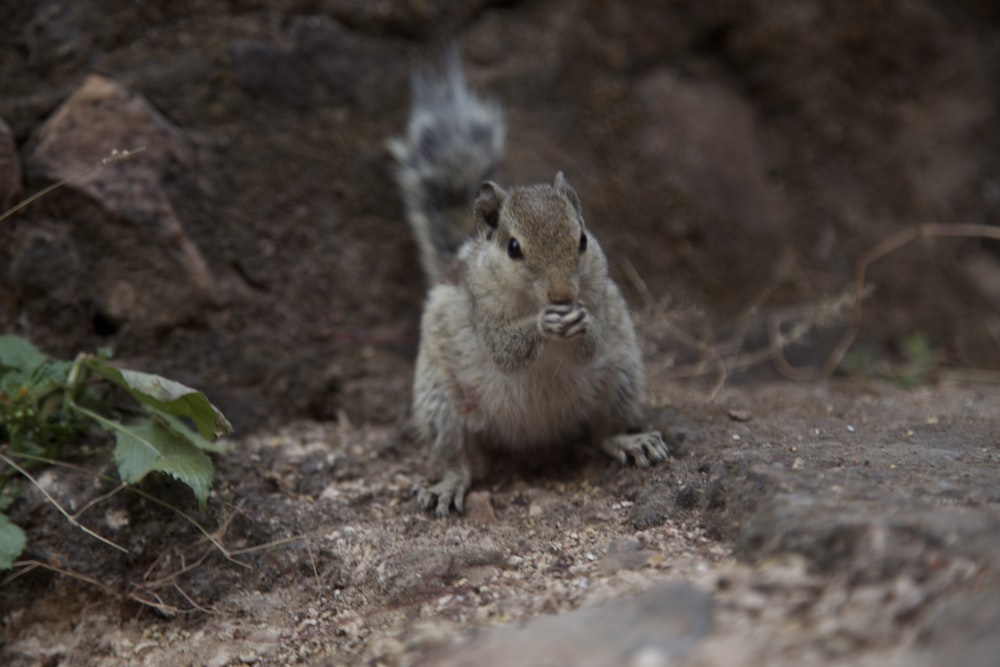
(454,140)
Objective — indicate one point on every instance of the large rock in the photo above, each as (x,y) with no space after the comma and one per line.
(703,135)
(962,632)
(140,264)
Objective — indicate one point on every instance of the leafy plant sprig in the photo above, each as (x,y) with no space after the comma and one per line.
(46,403)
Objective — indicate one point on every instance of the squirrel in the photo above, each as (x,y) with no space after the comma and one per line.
(525,339)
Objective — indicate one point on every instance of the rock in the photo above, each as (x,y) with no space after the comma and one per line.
(962,632)
(740,415)
(98,118)
(868,543)
(704,137)
(479,508)
(10,168)
(700,138)
(654,628)
(324,64)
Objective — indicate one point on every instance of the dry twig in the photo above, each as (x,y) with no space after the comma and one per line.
(712,354)
(60,508)
(114,155)
(889,245)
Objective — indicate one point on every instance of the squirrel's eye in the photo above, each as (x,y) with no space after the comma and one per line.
(583,242)
(514,249)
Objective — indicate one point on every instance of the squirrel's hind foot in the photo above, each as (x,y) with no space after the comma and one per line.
(449,491)
(644,448)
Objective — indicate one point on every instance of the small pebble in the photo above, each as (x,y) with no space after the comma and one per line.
(479,508)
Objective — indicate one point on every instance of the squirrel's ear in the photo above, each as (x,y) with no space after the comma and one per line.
(560,185)
(487,206)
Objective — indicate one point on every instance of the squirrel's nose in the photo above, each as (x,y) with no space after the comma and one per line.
(561,298)
(561,291)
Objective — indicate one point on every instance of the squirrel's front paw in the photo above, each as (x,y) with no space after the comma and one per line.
(563,321)
(449,491)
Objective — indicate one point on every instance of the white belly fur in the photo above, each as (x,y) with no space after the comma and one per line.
(551,399)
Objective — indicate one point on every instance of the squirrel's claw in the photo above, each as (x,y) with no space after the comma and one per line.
(563,321)
(643,448)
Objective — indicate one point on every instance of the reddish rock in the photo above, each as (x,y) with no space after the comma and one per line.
(97,120)
(479,508)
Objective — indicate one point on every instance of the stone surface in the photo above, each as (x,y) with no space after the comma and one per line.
(704,136)
(479,508)
(657,627)
(151,274)
(102,117)
(962,632)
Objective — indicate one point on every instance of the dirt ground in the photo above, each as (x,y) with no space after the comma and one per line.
(736,159)
(800,524)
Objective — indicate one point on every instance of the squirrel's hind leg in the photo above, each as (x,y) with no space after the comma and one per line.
(437,416)
(628,439)
(454,459)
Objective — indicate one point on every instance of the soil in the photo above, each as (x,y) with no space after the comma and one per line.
(737,160)
(840,524)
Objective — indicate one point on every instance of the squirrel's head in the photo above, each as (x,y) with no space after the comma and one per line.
(535,240)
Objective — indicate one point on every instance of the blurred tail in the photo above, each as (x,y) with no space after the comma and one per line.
(453,141)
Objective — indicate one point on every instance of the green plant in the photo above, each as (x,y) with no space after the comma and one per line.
(920,360)
(46,404)
(914,363)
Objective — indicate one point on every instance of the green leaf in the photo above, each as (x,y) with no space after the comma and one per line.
(169,397)
(22,443)
(180,428)
(23,365)
(18,353)
(8,494)
(12,541)
(48,377)
(143,446)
